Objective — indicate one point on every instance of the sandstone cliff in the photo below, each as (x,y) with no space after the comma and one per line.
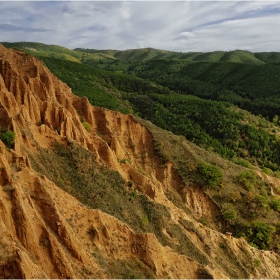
(60,169)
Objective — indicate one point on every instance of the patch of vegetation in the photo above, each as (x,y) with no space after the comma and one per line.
(229,213)
(185,245)
(8,137)
(124,160)
(86,126)
(261,234)
(257,263)
(124,268)
(243,162)
(275,203)
(211,174)
(247,179)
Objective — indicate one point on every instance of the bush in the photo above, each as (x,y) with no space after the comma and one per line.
(8,138)
(86,126)
(247,179)
(257,262)
(260,234)
(211,174)
(235,195)
(230,213)
(124,160)
(268,171)
(243,162)
(275,203)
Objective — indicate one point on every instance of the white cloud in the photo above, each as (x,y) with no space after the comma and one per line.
(169,25)
(187,34)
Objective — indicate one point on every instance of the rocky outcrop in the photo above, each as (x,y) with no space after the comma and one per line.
(47,233)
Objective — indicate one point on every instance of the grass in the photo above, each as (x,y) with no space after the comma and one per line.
(186,246)
(123,268)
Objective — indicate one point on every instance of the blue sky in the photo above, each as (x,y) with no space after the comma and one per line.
(169,25)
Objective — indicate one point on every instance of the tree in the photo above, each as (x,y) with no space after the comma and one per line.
(8,138)
(211,174)
(261,234)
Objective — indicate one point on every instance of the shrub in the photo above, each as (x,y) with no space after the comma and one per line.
(229,212)
(257,262)
(277,174)
(8,138)
(275,203)
(243,162)
(86,126)
(262,200)
(260,234)
(235,195)
(211,174)
(92,231)
(247,179)
(268,171)
(145,220)
(124,160)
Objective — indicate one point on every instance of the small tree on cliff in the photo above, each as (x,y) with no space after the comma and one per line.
(8,138)
(211,174)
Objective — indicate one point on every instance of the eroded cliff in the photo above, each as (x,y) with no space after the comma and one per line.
(84,193)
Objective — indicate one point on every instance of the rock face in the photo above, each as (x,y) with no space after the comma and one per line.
(48,233)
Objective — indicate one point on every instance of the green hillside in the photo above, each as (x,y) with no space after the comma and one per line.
(269,57)
(140,55)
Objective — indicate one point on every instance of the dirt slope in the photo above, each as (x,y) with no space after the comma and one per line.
(48,233)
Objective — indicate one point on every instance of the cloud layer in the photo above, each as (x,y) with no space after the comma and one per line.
(170,25)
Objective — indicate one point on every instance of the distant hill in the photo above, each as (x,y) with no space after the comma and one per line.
(138,55)
(145,54)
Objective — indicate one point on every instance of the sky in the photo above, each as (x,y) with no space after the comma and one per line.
(183,26)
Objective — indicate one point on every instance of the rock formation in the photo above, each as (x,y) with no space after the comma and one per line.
(48,233)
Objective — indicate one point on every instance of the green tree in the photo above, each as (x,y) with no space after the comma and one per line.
(247,179)
(8,138)
(230,213)
(275,203)
(260,234)
(211,174)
